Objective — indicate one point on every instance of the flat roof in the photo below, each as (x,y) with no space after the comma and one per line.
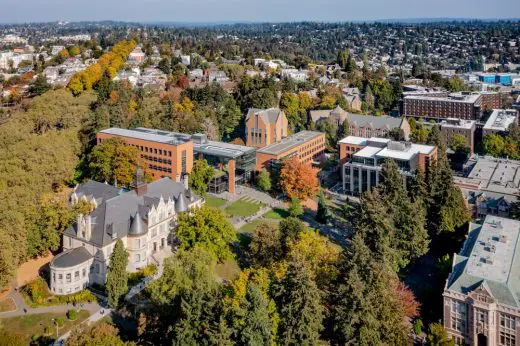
(501,119)
(290,142)
(458,123)
(353,140)
(497,175)
(462,98)
(367,152)
(397,154)
(158,136)
(494,251)
(208,147)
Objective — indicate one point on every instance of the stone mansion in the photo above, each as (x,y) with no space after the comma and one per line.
(142,218)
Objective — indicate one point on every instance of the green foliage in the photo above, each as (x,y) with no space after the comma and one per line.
(187,297)
(96,335)
(265,247)
(264,180)
(322,213)
(295,207)
(37,294)
(72,315)
(12,339)
(418,326)
(135,278)
(200,176)
(113,160)
(117,277)
(299,302)
(437,336)
(39,86)
(255,325)
(290,228)
(207,228)
(59,322)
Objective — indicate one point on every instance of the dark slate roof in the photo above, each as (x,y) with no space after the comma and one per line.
(112,218)
(99,191)
(71,258)
(375,122)
(137,225)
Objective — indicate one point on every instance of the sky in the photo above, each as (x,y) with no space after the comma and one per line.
(211,11)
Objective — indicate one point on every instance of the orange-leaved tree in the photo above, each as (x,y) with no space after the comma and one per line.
(298,179)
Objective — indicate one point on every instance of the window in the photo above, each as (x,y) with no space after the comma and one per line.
(60,277)
(137,258)
(68,278)
(154,232)
(183,161)
(84,272)
(458,316)
(138,243)
(54,277)
(76,275)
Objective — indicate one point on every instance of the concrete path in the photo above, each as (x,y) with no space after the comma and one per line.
(24,309)
(96,316)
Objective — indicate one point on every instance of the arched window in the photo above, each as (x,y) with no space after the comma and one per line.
(137,258)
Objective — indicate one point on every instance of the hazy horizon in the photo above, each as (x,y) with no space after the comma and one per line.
(248,11)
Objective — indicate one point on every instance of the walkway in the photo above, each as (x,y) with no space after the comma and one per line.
(98,315)
(24,309)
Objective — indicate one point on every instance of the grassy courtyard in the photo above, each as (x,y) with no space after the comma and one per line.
(215,202)
(276,214)
(41,324)
(244,207)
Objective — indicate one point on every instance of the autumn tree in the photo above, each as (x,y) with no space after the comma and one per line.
(437,336)
(98,334)
(113,161)
(207,228)
(298,179)
(117,277)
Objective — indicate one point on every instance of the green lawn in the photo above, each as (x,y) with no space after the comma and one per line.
(243,207)
(276,214)
(215,202)
(7,305)
(228,269)
(251,227)
(29,325)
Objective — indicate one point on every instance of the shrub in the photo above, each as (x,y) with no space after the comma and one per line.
(60,321)
(47,330)
(72,315)
(37,291)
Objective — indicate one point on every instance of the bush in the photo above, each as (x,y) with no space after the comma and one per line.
(72,315)
(60,321)
(47,330)
(135,278)
(37,291)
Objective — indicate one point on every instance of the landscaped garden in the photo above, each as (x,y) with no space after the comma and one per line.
(37,293)
(244,207)
(42,327)
(214,202)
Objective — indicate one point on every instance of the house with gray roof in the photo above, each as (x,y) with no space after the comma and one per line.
(365,126)
(482,292)
(142,218)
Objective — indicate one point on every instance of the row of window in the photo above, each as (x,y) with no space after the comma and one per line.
(68,276)
(157,159)
(70,290)
(160,169)
(153,150)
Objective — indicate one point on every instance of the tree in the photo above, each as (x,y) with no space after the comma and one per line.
(437,336)
(295,207)
(207,228)
(493,145)
(113,160)
(187,299)
(39,86)
(330,129)
(200,176)
(257,324)
(290,228)
(264,180)
(265,247)
(98,334)
(298,179)
(322,213)
(117,277)
(344,129)
(299,301)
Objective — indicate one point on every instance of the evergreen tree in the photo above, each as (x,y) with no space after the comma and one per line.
(344,129)
(322,213)
(365,307)
(104,87)
(39,86)
(117,277)
(300,305)
(256,327)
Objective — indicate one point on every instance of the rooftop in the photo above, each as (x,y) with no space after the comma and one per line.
(458,123)
(71,258)
(290,142)
(501,119)
(496,175)
(384,147)
(490,258)
(158,136)
(454,97)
